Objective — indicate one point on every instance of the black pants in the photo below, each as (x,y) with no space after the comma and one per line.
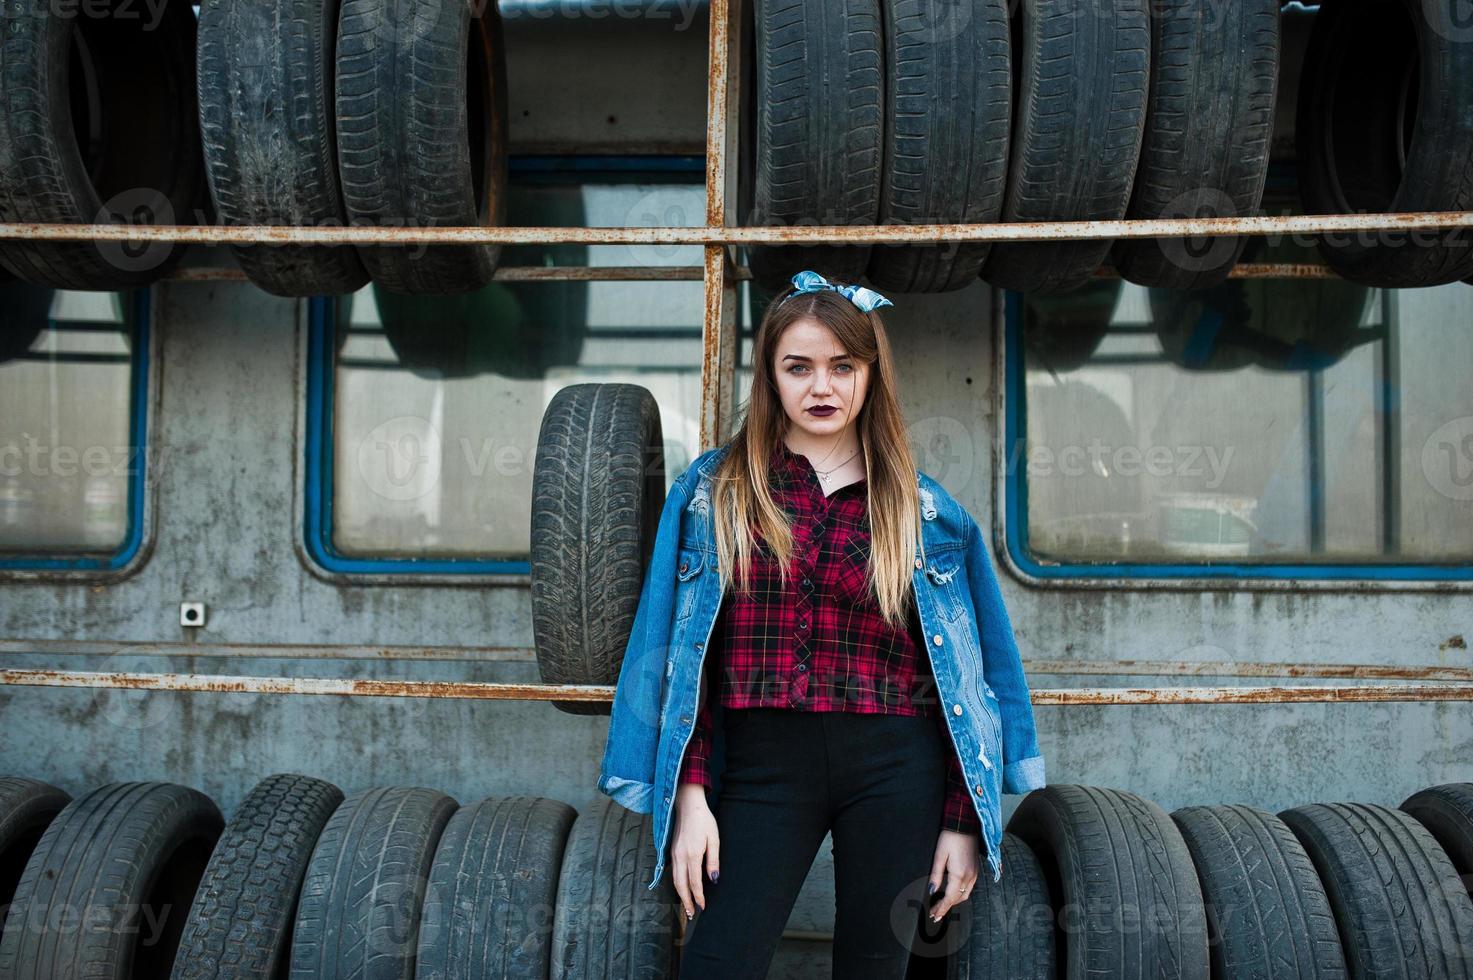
(876,781)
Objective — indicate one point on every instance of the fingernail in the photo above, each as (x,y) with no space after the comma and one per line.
(715,876)
(689,914)
(930,887)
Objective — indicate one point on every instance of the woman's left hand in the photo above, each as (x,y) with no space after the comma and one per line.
(957,855)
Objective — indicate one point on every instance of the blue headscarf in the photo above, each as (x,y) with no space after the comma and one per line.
(866,299)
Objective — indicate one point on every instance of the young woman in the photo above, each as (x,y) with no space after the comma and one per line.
(862,677)
(828,709)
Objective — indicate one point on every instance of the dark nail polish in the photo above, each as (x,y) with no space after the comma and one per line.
(930,887)
(715,875)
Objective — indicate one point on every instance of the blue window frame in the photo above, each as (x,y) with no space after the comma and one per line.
(112,468)
(1393,516)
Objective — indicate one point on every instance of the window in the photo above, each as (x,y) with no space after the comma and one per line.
(72,404)
(1277,428)
(425,410)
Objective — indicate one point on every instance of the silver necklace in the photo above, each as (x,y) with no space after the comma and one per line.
(825,475)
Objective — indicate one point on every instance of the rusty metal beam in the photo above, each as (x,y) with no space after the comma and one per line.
(243,684)
(1255,694)
(527,654)
(697,273)
(268,651)
(508,273)
(1039,231)
(480,690)
(1230,668)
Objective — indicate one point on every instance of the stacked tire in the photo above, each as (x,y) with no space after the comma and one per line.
(384,113)
(1316,892)
(98,124)
(147,880)
(302,113)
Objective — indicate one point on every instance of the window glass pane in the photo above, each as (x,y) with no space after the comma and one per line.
(1275,421)
(66,377)
(438,400)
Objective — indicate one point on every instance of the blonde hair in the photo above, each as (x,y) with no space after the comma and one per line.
(740,495)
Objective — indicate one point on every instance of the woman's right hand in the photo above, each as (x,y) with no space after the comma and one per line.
(696,842)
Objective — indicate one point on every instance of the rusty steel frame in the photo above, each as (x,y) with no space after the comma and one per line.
(697,273)
(486,691)
(929,234)
(719,274)
(132,649)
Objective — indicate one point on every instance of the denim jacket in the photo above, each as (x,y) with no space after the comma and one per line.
(979,674)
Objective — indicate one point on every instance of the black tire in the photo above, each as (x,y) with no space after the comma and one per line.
(27,807)
(1080,113)
(359,912)
(598,487)
(1447,813)
(1109,849)
(1399,906)
(1275,324)
(266,120)
(240,925)
(134,854)
(421,108)
(814,149)
(1365,143)
(115,138)
(1008,925)
(492,890)
(608,923)
(1267,913)
(1062,331)
(948,108)
(1209,122)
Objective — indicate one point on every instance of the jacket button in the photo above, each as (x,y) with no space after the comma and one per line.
(956,709)
(918,563)
(979,790)
(936,639)
(684,566)
(699,645)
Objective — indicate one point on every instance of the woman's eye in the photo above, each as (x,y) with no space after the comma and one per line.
(844,367)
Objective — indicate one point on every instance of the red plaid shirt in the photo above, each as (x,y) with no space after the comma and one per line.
(821,645)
